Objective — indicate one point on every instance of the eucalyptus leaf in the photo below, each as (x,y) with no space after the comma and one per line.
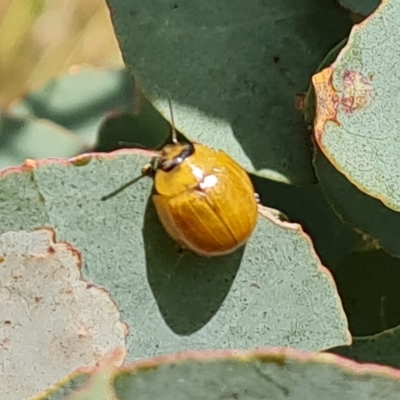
(362,212)
(233,70)
(308,206)
(248,375)
(362,7)
(382,348)
(368,284)
(22,138)
(274,291)
(357,114)
(80,100)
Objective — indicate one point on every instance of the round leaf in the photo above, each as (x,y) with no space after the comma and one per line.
(50,319)
(80,100)
(274,291)
(368,284)
(22,138)
(382,348)
(358,112)
(260,374)
(233,71)
(362,7)
(364,213)
(309,207)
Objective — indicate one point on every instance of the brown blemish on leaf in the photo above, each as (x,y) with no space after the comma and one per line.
(6,344)
(327,101)
(299,102)
(279,361)
(82,161)
(358,92)
(254,285)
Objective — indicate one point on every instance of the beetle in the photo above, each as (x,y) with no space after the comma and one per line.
(203,198)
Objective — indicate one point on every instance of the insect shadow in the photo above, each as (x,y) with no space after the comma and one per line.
(189,289)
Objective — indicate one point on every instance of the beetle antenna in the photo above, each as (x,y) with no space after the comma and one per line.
(174,135)
(123,187)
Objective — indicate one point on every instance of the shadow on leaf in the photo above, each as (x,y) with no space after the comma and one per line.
(189,289)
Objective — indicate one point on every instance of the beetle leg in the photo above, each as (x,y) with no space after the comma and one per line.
(148,169)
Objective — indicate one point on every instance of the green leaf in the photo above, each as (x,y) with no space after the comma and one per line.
(358,110)
(22,138)
(233,72)
(364,213)
(100,384)
(362,7)
(79,101)
(309,207)
(368,284)
(274,291)
(67,388)
(258,374)
(144,127)
(382,348)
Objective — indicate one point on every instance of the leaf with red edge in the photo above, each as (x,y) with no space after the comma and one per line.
(272,291)
(247,375)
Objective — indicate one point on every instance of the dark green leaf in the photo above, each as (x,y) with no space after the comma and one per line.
(233,71)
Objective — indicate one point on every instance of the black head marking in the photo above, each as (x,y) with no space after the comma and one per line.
(168,165)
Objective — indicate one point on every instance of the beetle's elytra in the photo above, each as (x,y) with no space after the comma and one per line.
(204,199)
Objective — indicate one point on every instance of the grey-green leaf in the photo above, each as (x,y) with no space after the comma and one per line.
(382,348)
(233,70)
(81,100)
(22,138)
(362,212)
(258,374)
(272,292)
(357,107)
(362,7)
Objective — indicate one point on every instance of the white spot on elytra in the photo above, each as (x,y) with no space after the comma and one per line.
(208,182)
(197,172)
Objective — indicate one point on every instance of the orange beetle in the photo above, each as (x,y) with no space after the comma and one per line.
(204,199)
